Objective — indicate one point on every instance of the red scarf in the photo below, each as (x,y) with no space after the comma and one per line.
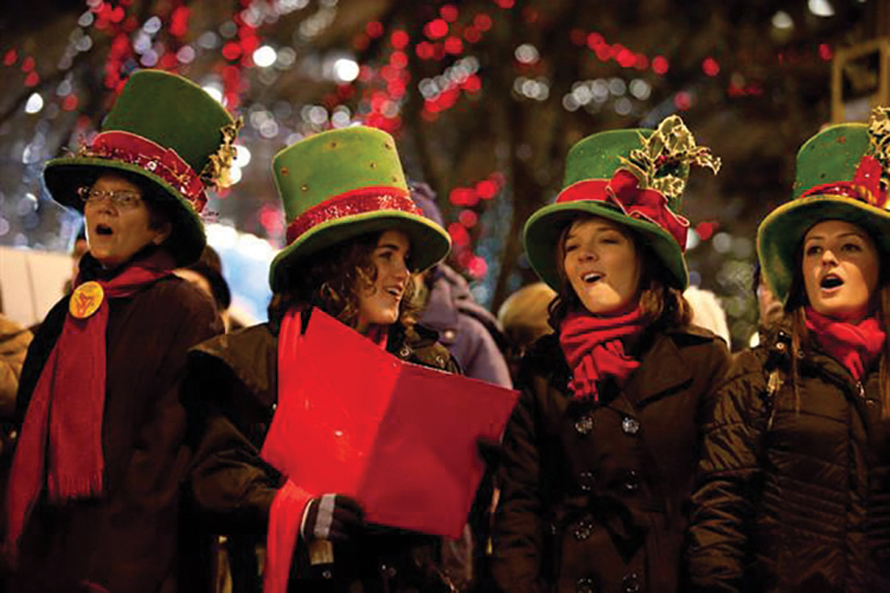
(60,447)
(855,346)
(593,348)
(287,508)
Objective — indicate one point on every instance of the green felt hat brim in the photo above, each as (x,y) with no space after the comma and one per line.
(542,231)
(429,242)
(64,175)
(780,234)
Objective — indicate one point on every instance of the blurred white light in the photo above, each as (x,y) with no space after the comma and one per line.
(527,54)
(600,90)
(345,70)
(149,58)
(640,89)
(264,56)
(318,115)
(220,235)
(582,94)
(286,57)
(570,103)
(235,175)
(692,240)
(623,106)
(340,118)
(208,40)
(242,158)
(722,242)
(186,54)
(64,88)
(84,43)
(214,91)
(269,128)
(530,88)
(34,104)
(820,7)
(617,87)
(152,25)
(782,20)
(86,19)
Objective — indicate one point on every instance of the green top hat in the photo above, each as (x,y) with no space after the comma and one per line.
(168,130)
(634,177)
(839,177)
(343,183)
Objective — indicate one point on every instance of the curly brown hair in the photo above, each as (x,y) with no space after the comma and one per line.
(662,305)
(333,281)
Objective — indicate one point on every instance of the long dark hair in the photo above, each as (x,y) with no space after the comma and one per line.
(663,306)
(796,318)
(333,281)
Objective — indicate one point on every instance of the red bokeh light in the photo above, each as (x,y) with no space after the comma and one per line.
(424,50)
(231,51)
(683,100)
(472,35)
(660,65)
(436,29)
(459,234)
(449,12)
(505,4)
(32,80)
(477,267)
(825,52)
(468,218)
(486,189)
(399,39)
(10,58)
(28,64)
(398,59)
(374,29)
(454,45)
(710,67)
(482,21)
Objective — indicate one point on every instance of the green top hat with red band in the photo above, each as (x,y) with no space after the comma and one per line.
(341,184)
(842,174)
(633,177)
(168,130)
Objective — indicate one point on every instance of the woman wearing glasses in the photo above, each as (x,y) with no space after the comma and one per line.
(93,493)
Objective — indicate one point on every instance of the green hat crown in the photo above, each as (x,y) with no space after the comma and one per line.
(842,173)
(340,184)
(634,177)
(166,129)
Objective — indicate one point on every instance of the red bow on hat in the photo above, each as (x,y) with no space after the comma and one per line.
(624,191)
(865,186)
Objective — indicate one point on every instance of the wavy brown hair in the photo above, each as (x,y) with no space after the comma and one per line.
(663,306)
(795,316)
(333,281)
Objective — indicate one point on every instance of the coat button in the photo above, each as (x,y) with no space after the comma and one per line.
(388,571)
(631,583)
(405,352)
(449,335)
(586,585)
(583,530)
(327,574)
(630,425)
(440,360)
(631,481)
(273,407)
(584,425)
(587,480)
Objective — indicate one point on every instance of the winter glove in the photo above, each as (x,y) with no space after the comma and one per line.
(333,517)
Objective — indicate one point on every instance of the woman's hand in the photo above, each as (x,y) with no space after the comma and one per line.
(333,517)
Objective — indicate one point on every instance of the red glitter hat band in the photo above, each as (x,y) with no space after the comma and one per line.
(360,201)
(153,158)
(623,191)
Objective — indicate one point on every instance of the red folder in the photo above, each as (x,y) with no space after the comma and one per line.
(398,437)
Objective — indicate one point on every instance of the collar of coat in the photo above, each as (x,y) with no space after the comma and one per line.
(662,369)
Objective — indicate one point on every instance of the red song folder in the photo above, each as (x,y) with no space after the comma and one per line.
(398,437)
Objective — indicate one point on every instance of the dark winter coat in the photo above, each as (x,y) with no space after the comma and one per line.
(469,331)
(233,391)
(594,495)
(125,541)
(793,500)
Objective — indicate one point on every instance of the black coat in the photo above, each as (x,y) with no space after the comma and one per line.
(594,495)
(232,393)
(793,500)
(127,540)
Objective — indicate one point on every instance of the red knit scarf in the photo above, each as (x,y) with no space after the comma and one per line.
(855,346)
(593,348)
(287,508)
(60,447)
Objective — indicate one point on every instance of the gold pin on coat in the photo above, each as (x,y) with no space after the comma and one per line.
(86,299)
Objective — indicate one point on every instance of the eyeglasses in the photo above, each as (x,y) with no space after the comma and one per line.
(122,198)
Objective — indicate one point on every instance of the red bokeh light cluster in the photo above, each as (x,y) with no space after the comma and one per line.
(623,56)
(467,198)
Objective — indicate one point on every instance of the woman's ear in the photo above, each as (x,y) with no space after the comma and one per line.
(163,233)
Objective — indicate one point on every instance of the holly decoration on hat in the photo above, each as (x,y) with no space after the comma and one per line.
(670,149)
